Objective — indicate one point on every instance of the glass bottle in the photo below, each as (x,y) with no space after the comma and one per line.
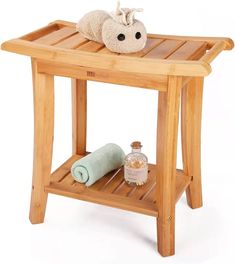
(136,166)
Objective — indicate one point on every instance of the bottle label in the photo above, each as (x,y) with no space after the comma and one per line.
(138,176)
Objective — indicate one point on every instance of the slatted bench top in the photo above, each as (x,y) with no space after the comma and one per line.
(60,42)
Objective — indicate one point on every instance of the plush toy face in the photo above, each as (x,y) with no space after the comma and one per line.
(119,31)
(124,38)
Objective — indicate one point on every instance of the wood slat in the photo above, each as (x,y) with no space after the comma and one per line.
(40,32)
(182,182)
(64,169)
(86,194)
(104,180)
(72,42)
(189,51)
(56,36)
(214,52)
(124,189)
(150,44)
(105,50)
(64,174)
(128,64)
(117,64)
(112,190)
(151,191)
(63,23)
(68,180)
(147,81)
(165,49)
(150,196)
(210,40)
(91,46)
(115,182)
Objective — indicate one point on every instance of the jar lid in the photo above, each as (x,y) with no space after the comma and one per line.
(136,145)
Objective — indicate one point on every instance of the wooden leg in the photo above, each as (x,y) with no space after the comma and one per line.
(191,138)
(79,114)
(43,85)
(168,114)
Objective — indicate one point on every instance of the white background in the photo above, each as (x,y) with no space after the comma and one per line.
(79,232)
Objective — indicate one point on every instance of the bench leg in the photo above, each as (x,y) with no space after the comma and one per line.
(43,87)
(168,115)
(191,138)
(79,116)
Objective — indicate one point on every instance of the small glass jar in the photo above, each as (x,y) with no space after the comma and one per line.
(136,166)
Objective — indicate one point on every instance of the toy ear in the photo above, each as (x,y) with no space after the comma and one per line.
(121,19)
(121,13)
(125,16)
(131,15)
(118,9)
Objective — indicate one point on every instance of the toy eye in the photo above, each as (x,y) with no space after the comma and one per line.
(121,37)
(138,35)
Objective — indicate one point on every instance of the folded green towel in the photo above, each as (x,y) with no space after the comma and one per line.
(94,166)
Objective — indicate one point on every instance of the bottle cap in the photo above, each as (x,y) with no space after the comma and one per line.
(136,145)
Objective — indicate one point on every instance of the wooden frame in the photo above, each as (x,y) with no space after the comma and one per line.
(43,87)
(191,138)
(168,114)
(173,65)
(79,116)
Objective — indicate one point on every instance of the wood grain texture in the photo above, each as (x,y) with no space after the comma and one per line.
(105,50)
(147,81)
(64,169)
(150,44)
(72,42)
(211,41)
(40,32)
(191,138)
(62,23)
(182,182)
(124,64)
(105,180)
(214,52)
(112,190)
(191,50)
(165,49)
(79,116)
(229,44)
(168,112)
(168,64)
(43,141)
(111,200)
(56,36)
(91,46)
(114,183)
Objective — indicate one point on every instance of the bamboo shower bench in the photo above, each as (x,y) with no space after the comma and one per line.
(175,66)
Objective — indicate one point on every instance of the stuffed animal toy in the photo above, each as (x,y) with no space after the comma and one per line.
(119,31)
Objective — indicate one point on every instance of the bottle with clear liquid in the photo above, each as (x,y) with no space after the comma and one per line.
(136,166)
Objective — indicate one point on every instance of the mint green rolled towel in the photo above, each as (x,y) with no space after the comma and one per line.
(94,166)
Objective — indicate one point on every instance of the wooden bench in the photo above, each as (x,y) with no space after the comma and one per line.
(173,65)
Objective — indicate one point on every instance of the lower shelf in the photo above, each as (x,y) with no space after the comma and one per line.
(111,190)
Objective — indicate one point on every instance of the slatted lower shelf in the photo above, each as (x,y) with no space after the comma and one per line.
(111,190)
